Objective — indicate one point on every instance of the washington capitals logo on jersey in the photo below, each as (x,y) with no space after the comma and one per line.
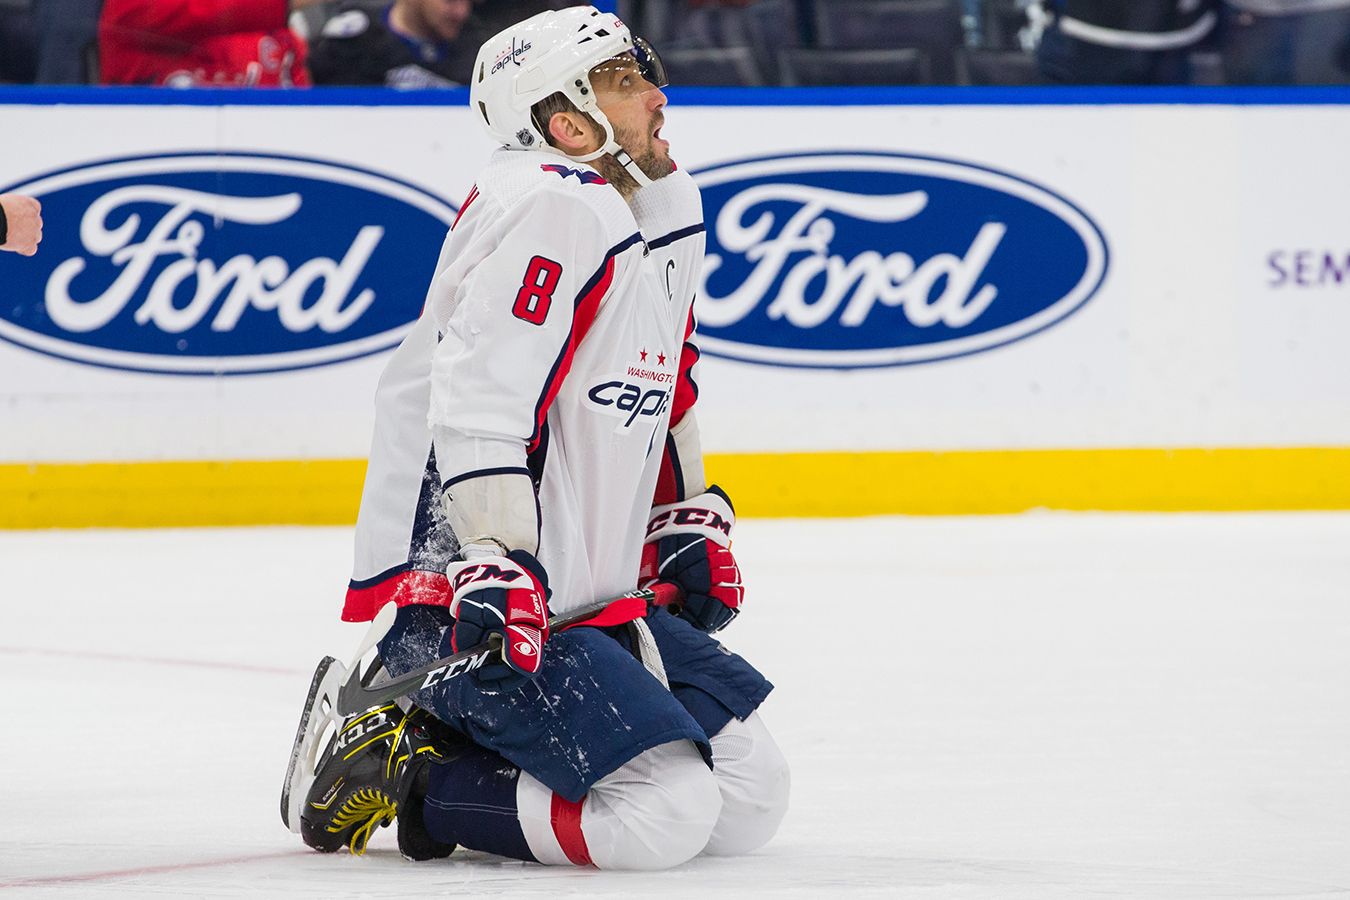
(564,172)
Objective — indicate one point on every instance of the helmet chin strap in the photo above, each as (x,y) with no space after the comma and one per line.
(612,147)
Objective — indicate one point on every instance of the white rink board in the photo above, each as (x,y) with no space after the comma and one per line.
(1192,338)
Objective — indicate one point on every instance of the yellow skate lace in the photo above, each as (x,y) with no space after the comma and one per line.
(371,808)
(371,805)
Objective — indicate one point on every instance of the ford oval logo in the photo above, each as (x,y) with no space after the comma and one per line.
(229,264)
(850,260)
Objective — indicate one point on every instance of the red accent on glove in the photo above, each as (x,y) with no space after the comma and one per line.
(505,596)
(726,576)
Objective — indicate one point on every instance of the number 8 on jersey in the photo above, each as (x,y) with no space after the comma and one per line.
(536,290)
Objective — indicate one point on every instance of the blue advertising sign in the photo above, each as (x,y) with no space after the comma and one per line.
(223,264)
(856,259)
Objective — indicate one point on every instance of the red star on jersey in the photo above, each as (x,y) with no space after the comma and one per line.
(660,359)
(643,354)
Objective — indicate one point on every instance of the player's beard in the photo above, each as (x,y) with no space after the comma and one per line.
(654,162)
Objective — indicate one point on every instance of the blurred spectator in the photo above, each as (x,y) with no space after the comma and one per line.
(1111,42)
(1286,41)
(405,44)
(220,43)
(421,43)
(67,41)
(18,45)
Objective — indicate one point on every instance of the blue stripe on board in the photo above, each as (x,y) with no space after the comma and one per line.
(49,95)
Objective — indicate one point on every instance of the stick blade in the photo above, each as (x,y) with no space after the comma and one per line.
(318,713)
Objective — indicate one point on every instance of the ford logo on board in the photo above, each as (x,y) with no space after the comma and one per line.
(229,263)
(850,260)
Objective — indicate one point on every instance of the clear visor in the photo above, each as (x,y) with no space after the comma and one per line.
(634,72)
(649,61)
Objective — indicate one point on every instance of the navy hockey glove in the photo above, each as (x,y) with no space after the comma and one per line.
(506,595)
(689,544)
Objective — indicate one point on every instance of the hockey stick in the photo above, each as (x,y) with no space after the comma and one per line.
(354,697)
(336,691)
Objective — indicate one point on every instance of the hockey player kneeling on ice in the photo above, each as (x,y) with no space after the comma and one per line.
(536,450)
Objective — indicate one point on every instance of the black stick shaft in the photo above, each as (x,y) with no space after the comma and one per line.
(353,697)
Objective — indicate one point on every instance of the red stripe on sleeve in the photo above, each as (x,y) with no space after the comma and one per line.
(667,485)
(473,195)
(566,818)
(686,392)
(404,589)
(587,308)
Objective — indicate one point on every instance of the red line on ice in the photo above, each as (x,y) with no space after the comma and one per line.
(146,870)
(154,660)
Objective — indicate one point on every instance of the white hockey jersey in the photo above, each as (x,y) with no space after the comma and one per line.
(554,342)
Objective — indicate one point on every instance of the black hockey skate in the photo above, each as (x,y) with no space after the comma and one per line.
(374,771)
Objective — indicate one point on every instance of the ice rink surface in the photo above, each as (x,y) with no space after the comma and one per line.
(1040,706)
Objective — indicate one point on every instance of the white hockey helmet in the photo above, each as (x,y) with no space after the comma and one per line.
(551,53)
